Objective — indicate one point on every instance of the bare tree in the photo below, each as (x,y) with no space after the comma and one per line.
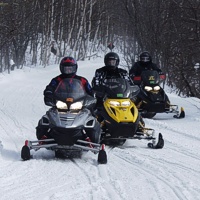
(169,30)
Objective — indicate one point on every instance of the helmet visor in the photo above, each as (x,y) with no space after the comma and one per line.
(145,59)
(111,63)
(69,69)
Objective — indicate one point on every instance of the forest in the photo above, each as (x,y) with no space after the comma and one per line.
(168,29)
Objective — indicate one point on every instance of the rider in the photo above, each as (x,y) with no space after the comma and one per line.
(144,63)
(68,68)
(110,70)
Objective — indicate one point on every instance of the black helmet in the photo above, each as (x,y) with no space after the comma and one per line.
(68,65)
(111,60)
(145,57)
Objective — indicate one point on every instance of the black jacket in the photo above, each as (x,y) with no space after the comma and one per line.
(139,67)
(103,73)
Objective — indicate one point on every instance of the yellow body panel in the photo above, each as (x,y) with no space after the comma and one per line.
(121,113)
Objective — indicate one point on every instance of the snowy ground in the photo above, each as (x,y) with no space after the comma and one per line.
(132,172)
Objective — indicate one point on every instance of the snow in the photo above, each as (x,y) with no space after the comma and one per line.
(132,172)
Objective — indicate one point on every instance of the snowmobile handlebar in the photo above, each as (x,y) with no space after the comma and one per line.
(138,79)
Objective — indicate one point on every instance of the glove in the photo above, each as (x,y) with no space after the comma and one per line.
(49,101)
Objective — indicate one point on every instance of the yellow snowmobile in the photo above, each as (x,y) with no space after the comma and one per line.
(119,116)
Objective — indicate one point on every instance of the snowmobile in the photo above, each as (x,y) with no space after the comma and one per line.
(119,117)
(69,121)
(152,97)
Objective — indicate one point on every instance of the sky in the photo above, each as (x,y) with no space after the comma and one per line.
(133,171)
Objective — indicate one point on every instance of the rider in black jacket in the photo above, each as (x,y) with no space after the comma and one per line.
(110,70)
(144,63)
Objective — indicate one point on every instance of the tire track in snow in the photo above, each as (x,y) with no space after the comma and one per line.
(158,125)
(194,102)
(83,168)
(98,174)
(9,133)
(11,117)
(178,172)
(57,183)
(185,146)
(152,174)
(108,184)
(184,151)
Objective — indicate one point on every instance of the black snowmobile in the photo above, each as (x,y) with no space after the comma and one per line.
(152,98)
(120,119)
(69,121)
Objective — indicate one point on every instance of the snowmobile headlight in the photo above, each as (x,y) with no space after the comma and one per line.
(148,88)
(126,103)
(156,88)
(61,105)
(76,106)
(114,103)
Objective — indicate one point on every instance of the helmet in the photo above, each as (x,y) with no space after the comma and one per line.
(68,65)
(111,60)
(145,57)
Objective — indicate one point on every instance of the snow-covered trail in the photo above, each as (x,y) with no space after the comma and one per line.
(133,171)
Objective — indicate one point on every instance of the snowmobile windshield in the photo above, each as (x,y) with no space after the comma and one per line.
(150,78)
(70,88)
(119,88)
